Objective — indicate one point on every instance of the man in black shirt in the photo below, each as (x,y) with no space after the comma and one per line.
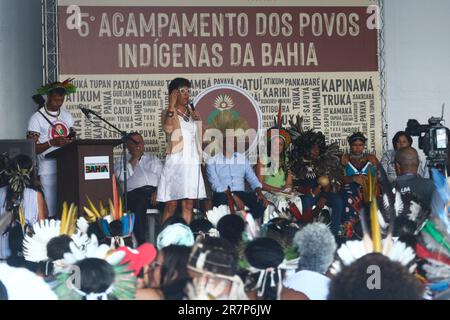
(406,165)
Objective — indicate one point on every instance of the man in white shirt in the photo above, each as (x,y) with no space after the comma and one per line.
(51,127)
(143,173)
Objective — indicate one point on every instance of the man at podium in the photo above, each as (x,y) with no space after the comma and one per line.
(51,127)
(143,172)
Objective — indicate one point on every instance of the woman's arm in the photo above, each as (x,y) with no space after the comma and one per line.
(170,114)
(289,294)
(149,294)
(42,207)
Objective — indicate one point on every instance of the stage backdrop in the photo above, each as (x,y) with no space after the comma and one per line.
(317,58)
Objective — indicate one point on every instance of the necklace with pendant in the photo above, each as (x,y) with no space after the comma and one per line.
(184,115)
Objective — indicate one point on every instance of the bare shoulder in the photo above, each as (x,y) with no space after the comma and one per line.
(148,294)
(289,294)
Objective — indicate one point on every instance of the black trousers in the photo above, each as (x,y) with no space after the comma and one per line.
(138,203)
(249,198)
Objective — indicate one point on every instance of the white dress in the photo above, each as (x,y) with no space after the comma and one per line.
(181,177)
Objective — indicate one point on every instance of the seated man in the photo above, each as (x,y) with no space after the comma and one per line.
(401,140)
(230,171)
(408,181)
(143,172)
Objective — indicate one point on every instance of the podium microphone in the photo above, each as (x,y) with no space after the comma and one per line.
(86,112)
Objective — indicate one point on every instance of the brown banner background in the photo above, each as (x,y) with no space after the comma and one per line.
(328,72)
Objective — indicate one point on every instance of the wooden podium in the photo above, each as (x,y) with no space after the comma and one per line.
(85,167)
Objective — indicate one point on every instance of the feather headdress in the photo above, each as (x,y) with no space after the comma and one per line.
(328,163)
(434,243)
(278,131)
(18,178)
(35,245)
(123,286)
(66,85)
(117,224)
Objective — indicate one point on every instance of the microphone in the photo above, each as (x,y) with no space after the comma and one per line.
(86,112)
(191,104)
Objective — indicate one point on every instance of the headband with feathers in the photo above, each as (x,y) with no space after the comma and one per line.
(66,85)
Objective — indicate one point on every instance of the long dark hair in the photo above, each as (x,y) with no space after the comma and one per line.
(174,274)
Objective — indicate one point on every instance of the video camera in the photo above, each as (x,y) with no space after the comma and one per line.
(433,139)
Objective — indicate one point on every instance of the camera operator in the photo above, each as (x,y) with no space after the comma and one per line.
(401,140)
(408,181)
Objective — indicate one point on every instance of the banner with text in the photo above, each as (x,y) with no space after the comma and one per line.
(319,60)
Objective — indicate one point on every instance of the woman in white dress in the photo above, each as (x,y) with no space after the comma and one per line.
(181,178)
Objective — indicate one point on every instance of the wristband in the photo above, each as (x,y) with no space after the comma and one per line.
(170,114)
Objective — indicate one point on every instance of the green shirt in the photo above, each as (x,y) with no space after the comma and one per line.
(274,179)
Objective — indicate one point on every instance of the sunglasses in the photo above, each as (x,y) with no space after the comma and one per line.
(184,90)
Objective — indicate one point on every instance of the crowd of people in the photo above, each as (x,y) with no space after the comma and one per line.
(307,221)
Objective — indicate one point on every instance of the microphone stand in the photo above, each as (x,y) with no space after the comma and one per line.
(124,136)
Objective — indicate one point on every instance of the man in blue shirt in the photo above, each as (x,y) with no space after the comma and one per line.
(231,170)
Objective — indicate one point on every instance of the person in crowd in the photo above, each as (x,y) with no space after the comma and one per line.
(280,229)
(408,180)
(175,234)
(213,266)
(143,173)
(393,281)
(168,274)
(99,279)
(356,165)
(317,175)
(275,177)
(316,247)
(51,240)
(266,271)
(51,127)
(400,140)
(181,177)
(20,199)
(232,227)
(202,228)
(22,284)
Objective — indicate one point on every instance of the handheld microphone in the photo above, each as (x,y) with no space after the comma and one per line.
(191,104)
